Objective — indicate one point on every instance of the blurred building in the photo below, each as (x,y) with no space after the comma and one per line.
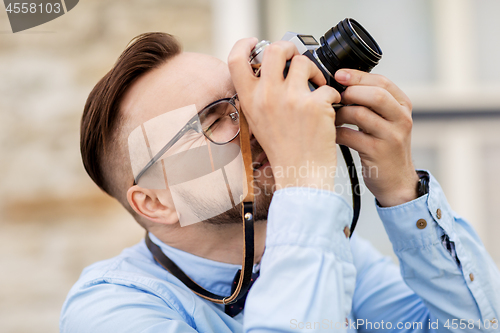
(53,219)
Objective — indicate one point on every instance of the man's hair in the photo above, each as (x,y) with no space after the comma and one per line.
(104,152)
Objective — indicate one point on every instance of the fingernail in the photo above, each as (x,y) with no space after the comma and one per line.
(342,76)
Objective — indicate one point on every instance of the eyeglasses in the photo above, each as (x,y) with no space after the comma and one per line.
(219,122)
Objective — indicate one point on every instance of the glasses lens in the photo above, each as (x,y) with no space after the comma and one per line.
(220,122)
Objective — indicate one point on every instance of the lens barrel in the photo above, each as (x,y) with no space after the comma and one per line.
(348,45)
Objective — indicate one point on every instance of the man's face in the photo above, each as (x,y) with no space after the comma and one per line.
(198,79)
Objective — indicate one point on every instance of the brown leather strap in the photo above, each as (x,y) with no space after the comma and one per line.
(247,205)
(247,212)
(246,151)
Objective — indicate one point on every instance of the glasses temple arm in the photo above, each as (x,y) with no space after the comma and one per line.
(193,123)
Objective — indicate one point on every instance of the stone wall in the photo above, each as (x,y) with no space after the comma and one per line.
(53,220)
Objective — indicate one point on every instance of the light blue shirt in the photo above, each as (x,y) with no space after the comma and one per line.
(312,278)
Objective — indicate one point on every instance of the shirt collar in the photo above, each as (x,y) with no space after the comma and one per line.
(217,277)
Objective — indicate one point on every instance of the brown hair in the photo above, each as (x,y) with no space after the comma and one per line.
(101,117)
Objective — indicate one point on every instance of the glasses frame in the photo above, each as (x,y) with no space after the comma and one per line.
(192,124)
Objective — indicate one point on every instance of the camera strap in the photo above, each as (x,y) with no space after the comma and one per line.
(355,187)
(248,208)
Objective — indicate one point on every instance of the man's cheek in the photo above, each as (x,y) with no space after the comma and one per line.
(210,174)
(205,179)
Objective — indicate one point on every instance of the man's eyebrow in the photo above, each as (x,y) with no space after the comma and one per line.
(218,97)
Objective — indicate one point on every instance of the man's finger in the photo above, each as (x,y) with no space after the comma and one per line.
(352,77)
(364,118)
(241,71)
(303,69)
(274,60)
(327,93)
(356,140)
(375,98)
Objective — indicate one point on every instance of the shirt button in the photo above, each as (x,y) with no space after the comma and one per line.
(438,213)
(421,224)
(347,232)
(471,277)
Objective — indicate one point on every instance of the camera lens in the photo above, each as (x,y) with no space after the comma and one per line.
(348,45)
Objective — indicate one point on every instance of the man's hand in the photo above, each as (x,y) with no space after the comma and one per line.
(294,126)
(383,115)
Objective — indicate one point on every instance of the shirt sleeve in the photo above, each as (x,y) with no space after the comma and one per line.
(307,275)
(444,262)
(382,301)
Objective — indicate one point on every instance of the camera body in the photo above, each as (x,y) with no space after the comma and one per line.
(307,46)
(346,45)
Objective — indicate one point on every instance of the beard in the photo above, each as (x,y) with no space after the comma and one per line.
(234,215)
(263,186)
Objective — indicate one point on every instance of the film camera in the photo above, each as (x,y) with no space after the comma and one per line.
(346,45)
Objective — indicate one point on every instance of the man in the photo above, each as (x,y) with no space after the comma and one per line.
(311,276)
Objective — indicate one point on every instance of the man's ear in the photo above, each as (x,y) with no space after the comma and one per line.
(155,205)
